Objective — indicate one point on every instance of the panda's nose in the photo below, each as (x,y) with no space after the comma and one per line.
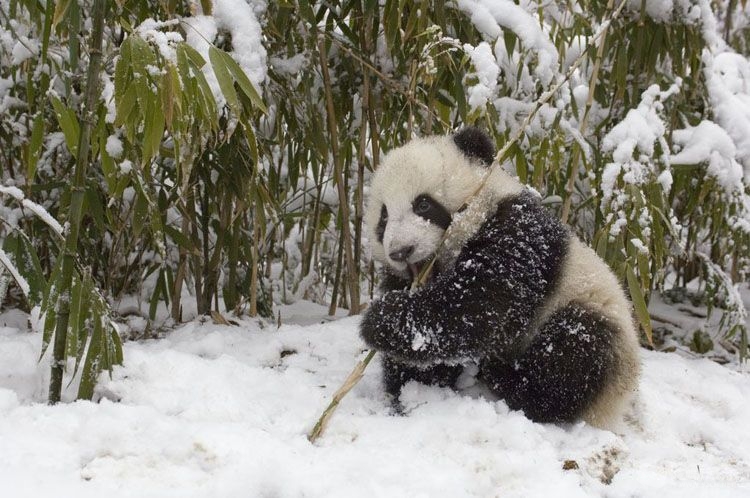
(402,254)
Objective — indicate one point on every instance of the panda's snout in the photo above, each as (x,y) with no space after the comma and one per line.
(402,254)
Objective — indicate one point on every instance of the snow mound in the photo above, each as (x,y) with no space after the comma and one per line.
(215,410)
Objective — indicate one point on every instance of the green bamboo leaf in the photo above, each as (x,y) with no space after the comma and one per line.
(49,302)
(75,317)
(170,93)
(306,11)
(224,78)
(68,123)
(251,141)
(191,65)
(91,366)
(115,342)
(140,213)
(93,206)
(153,130)
(241,78)
(160,290)
(125,106)
(180,238)
(87,295)
(639,303)
(122,69)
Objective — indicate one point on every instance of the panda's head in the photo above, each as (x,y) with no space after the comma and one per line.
(416,191)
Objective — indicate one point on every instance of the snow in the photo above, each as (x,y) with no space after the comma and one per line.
(710,143)
(491,16)
(23,50)
(728,81)
(486,71)
(214,410)
(114,146)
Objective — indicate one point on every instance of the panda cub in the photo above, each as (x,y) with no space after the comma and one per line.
(512,291)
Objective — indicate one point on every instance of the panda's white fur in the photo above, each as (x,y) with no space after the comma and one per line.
(436,165)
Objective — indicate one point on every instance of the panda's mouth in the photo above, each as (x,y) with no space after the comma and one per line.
(415,269)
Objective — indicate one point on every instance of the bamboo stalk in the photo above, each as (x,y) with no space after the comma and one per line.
(342,391)
(88,115)
(336,279)
(181,274)
(254,269)
(352,277)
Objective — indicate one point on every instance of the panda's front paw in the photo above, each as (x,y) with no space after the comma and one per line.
(380,325)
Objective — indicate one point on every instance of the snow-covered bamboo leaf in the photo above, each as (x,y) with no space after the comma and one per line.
(224,78)
(240,77)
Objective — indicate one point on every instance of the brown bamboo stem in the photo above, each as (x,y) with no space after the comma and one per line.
(352,277)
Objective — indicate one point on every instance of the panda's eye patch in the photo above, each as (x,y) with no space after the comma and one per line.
(423,206)
(431,210)
(382,222)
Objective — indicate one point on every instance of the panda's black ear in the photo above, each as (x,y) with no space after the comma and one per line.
(475,143)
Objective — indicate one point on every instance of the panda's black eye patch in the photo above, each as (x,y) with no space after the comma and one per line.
(382,222)
(431,210)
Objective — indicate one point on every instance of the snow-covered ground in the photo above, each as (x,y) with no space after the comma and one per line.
(223,411)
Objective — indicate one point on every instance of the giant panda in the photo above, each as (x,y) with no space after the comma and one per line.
(512,290)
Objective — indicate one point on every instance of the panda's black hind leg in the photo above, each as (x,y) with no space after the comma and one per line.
(397,373)
(562,371)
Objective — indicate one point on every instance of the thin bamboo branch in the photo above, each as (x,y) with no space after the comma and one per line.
(342,391)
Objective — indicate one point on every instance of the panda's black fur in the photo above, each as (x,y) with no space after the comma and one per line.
(495,302)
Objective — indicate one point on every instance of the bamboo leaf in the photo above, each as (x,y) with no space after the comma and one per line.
(61,7)
(51,296)
(87,290)
(241,78)
(224,78)
(68,123)
(75,318)
(91,366)
(153,131)
(639,303)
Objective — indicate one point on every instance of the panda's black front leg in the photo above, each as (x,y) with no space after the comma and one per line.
(397,373)
(431,325)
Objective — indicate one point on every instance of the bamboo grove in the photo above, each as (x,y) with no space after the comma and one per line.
(144,173)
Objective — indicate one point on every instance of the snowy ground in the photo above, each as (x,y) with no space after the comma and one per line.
(222,411)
